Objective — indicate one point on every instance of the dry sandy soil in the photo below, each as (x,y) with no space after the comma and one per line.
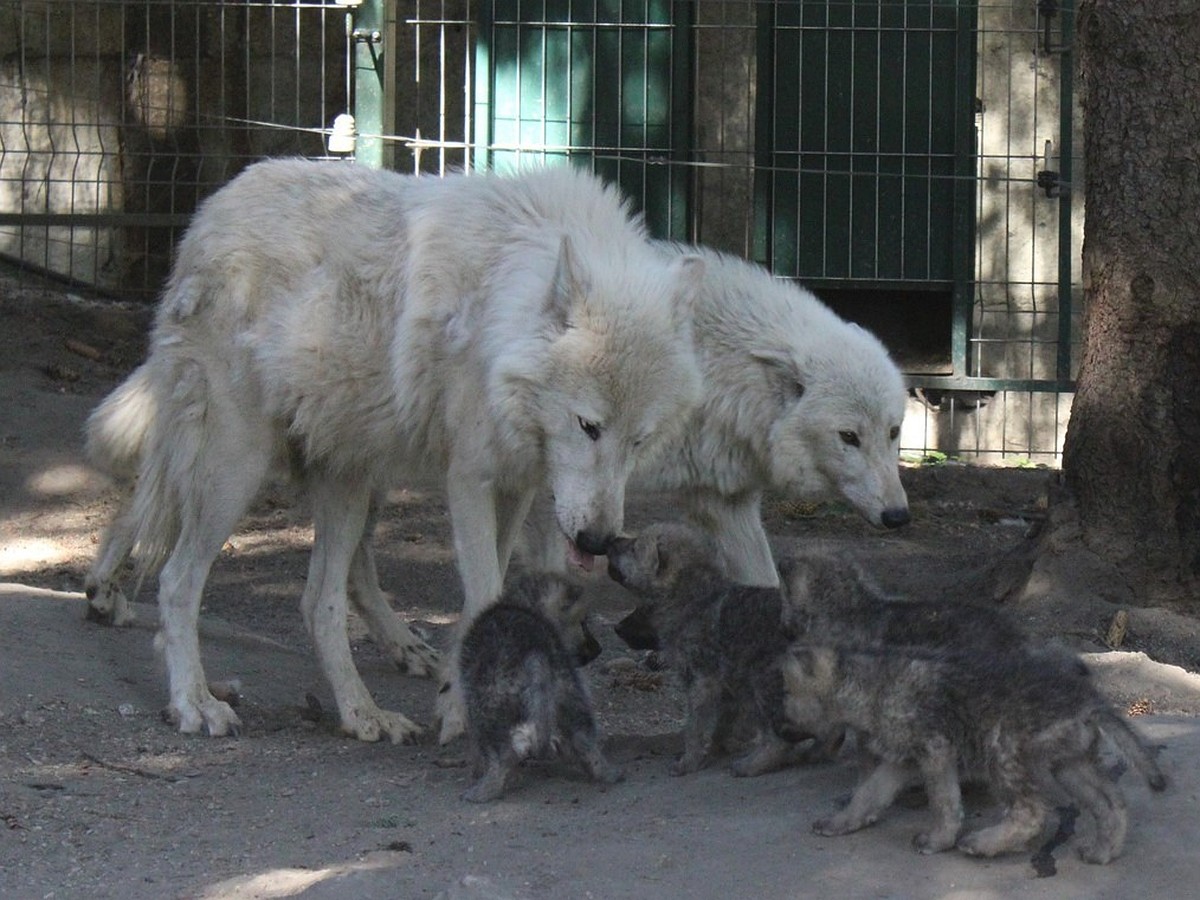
(98,797)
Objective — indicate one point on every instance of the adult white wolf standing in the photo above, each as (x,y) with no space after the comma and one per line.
(795,399)
(499,335)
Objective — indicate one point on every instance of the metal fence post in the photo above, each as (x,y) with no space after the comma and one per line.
(373,55)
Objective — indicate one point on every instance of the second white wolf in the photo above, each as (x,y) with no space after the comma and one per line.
(795,399)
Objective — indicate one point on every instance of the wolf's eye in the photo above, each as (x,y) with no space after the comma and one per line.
(591,429)
(894,433)
(849,438)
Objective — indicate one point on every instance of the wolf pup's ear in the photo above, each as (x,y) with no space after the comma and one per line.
(783,374)
(662,558)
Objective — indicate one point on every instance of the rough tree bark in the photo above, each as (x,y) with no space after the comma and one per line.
(1128,525)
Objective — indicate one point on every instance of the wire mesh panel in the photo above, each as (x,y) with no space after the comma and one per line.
(866,153)
(117,117)
(910,160)
(604,84)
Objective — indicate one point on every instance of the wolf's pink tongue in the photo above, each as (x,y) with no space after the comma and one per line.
(577,557)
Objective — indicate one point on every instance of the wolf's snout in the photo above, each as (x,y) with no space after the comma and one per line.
(894,518)
(593,543)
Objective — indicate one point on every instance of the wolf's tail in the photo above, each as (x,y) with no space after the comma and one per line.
(153,427)
(1131,746)
(117,429)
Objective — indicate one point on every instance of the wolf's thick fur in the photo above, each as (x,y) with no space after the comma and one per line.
(1008,717)
(725,640)
(524,695)
(498,335)
(795,399)
(830,599)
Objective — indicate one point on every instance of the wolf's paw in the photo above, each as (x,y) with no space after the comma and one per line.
(485,790)
(373,724)
(451,713)
(979,843)
(686,765)
(932,842)
(208,716)
(417,659)
(107,604)
(608,774)
(1096,853)
(836,825)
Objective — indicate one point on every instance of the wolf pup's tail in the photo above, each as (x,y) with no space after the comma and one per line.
(1131,747)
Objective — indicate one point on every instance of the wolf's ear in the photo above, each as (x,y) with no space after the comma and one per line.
(662,558)
(566,286)
(688,272)
(783,374)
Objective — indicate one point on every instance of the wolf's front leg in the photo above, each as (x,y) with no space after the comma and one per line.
(736,525)
(939,768)
(473,520)
(870,799)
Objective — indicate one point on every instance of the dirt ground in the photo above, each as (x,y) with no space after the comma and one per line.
(98,797)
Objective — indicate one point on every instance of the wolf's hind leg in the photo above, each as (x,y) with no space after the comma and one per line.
(339,520)
(107,603)
(770,754)
(703,717)
(1022,822)
(496,769)
(1103,801)
(411,655)
(206,522)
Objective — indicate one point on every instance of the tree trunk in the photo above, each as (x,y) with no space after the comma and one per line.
(1131,461)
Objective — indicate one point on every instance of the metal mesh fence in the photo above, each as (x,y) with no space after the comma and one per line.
(909,160)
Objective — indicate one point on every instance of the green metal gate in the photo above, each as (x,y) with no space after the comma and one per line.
(866,155)
(603,84)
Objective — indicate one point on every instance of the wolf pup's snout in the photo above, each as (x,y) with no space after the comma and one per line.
(618,548)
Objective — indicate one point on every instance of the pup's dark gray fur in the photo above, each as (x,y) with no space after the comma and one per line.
(1010,717)
(724,640)
(524,695)
(831,600)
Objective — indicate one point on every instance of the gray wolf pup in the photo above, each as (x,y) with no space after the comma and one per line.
(1010,718)
(524,695)
(794,399)
(490,335)
(726,642)
(830,599)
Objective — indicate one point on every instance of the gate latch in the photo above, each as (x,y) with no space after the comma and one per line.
(1050,180)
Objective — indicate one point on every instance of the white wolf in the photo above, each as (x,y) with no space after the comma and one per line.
(794,398)
(499,335)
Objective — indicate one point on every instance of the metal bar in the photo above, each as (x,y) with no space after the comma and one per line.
(97,220)
(963,239)
(970,383)
(374,76)
(483,126)
(1066,149)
